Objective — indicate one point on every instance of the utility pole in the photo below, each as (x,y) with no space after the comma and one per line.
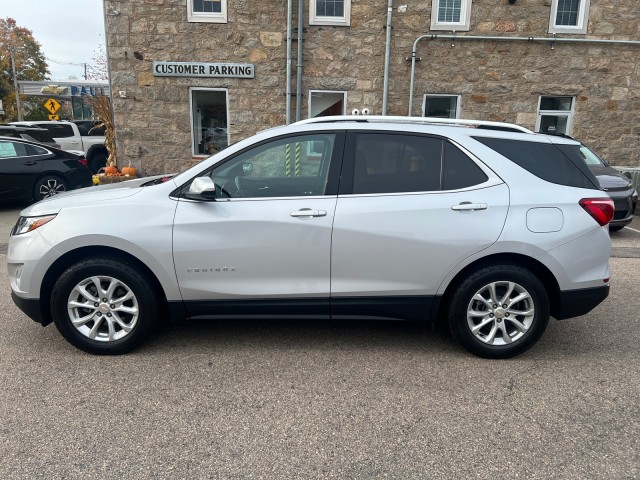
(85,70)
(15,84)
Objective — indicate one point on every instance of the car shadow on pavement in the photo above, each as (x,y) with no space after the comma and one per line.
(198,335)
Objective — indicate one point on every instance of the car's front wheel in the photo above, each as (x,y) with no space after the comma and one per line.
(499,311)
(104,306)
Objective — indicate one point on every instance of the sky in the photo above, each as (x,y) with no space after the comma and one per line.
(69,31)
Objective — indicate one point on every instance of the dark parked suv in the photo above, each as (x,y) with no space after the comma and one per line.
(32,134)
(616,184)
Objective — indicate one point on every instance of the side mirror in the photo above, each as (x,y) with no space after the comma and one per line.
(202,189)
(606,163)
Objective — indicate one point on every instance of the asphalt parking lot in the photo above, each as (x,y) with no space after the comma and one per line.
(269,399)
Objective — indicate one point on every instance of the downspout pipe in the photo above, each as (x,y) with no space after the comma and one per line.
(501,38)
(299,66)
(288,74)
(387,56)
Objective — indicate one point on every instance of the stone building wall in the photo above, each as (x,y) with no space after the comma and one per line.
(496,80)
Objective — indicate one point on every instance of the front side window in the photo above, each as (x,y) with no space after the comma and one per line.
(450,14)
(15,149)
(441,106)
(569,16)
(330,12)
(280,168)
(212,11)
(209,125)
(555,115)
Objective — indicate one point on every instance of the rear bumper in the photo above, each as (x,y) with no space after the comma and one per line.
(573,303)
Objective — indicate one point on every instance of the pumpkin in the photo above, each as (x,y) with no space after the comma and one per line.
(111,170)
(131,171)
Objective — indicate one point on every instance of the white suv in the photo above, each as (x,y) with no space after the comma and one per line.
(336,217)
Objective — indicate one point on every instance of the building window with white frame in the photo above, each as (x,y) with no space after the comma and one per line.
(555,115)
(330,12)
(569,16)
(211,11)
(451,15)
(209,121)
(441,106)
(324,103)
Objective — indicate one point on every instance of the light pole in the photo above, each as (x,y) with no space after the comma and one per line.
(15,84)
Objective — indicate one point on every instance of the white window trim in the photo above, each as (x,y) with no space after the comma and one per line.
(583,19)
(226,99)
(207,17)
(465,17)
(424,102)
(557,113)
(344,21)
(344,102)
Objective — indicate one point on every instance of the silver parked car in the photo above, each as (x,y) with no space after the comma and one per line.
(335,217)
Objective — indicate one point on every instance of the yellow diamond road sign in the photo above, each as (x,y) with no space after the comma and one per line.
(52,105)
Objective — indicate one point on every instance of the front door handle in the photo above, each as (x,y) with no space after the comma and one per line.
(30,163)
(307,212)
(468,206)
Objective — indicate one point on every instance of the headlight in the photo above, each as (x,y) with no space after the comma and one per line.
(28,224)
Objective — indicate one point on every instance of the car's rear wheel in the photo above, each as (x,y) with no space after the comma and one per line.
(616,228)
(48,186)
(499,311)
(104,306)
(98,161)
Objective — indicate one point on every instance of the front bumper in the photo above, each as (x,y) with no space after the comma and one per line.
(625,207)
(573,303)
(31,307)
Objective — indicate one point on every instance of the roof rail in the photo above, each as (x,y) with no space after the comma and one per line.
(511,127)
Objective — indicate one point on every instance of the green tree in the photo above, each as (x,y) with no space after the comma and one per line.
(30,63)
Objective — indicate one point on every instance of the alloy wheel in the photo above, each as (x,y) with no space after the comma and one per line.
(500,313)
(103,308)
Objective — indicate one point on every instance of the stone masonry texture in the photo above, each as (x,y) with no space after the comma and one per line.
(499,81)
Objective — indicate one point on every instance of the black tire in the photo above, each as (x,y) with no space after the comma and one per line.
(617,228)
(499,332)
(97,161)
(132,319)
(48,186)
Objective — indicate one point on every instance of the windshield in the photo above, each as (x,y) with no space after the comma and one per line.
(589,156)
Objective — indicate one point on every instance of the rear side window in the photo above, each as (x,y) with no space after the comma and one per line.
(59,130)
(40,136)
(388,163)
(9,133)
(399,163)
(544,160)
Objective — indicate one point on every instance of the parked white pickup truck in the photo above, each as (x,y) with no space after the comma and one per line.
(75,137)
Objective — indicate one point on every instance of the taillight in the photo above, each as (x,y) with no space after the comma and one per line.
(601,209)
(83,161)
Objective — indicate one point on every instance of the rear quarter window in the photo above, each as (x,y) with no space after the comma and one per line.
(459,170)
(545,160)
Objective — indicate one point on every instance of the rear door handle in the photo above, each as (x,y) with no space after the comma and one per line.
(30,163)
(468,206)
(307,212)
